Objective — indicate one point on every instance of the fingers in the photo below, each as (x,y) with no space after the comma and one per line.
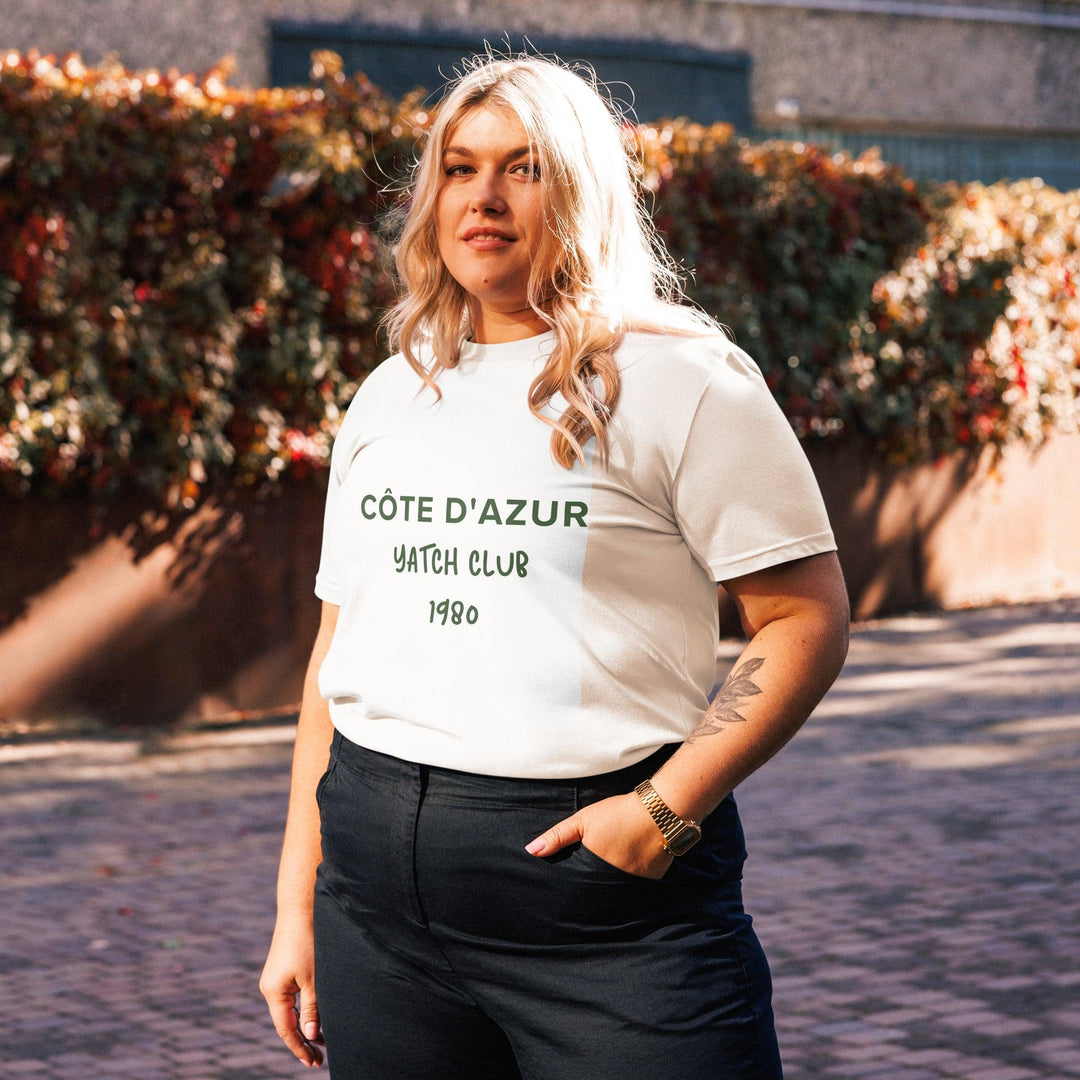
(567,831)
(309,1020)
(300,1033)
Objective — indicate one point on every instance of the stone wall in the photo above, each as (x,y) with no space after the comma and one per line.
(842,69)
(154,621)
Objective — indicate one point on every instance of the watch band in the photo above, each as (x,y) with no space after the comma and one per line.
(678,834)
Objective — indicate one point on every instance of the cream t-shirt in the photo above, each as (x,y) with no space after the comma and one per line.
(501,614)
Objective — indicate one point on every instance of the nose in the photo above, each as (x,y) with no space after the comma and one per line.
(487,197)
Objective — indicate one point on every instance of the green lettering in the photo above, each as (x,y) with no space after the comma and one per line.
(536,513)
(575,511)
(490,512)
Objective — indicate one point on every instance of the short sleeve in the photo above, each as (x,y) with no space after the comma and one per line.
(329,581)
(330,578)
(744,495)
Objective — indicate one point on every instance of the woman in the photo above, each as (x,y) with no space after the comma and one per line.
(530,856)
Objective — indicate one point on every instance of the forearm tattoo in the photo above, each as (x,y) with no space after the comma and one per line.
(737,688)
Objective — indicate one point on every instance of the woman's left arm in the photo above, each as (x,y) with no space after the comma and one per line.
(796,617)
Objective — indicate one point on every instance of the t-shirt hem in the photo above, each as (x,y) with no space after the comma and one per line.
(351,718)
(818,544)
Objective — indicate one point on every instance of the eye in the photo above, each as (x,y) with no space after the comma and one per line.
(529,169)
(457,170)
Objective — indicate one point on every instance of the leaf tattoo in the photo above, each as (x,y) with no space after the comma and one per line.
(738,686)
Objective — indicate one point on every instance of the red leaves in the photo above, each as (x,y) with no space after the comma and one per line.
(898,304)
(187,296)
(170,326)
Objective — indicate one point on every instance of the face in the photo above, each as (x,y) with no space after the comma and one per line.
(489,220)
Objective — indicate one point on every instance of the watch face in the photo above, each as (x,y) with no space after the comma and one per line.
(683,839)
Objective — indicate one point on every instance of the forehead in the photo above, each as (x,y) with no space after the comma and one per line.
(487,128)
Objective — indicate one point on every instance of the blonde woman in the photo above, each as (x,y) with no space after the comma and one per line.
(512,848)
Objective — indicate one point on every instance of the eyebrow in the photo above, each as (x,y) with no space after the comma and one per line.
(464,151)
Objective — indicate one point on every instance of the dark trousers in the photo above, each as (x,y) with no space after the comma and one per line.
(444,950)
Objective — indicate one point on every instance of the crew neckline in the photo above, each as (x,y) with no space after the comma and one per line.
(530,348)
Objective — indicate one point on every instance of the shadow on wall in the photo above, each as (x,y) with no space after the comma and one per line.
(882,516)
(971,530)
(162,619)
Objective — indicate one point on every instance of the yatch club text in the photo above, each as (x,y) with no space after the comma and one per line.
(433,559)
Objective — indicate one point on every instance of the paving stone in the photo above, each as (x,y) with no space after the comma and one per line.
(912,876)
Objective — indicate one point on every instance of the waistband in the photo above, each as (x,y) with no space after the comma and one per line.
(519,790)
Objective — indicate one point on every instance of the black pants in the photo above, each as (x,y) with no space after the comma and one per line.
(444,950)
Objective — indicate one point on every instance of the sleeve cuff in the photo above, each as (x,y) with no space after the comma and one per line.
(818,544)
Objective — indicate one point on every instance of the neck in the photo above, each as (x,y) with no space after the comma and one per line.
(497,327)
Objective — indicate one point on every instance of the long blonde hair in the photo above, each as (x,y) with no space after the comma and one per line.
(600,272)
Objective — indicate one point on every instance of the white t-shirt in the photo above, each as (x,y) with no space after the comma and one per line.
(501,614)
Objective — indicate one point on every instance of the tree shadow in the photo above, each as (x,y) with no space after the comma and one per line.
(144,617)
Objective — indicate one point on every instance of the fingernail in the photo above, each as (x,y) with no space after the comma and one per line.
(535,846)
(311,1029)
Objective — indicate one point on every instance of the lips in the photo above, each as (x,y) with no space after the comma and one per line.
(487,239)
(485,233)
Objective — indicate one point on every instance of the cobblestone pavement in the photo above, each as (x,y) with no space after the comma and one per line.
(914,875)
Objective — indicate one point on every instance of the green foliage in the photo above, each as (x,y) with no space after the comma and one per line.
(916,319)
(191,278)
(975,338)
(787,244)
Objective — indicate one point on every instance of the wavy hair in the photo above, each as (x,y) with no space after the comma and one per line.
(601,269)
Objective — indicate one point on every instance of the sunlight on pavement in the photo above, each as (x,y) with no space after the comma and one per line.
(952,756)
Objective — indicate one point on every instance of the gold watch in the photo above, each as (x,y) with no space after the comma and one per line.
(679,835)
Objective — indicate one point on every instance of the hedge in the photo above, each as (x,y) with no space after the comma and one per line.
(191,277)
(918,319)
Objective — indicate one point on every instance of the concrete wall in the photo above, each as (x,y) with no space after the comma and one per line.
(142,620)
(843,69)
(969,531)
(153,622)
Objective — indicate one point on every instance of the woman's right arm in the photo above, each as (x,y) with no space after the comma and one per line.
(288,977)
